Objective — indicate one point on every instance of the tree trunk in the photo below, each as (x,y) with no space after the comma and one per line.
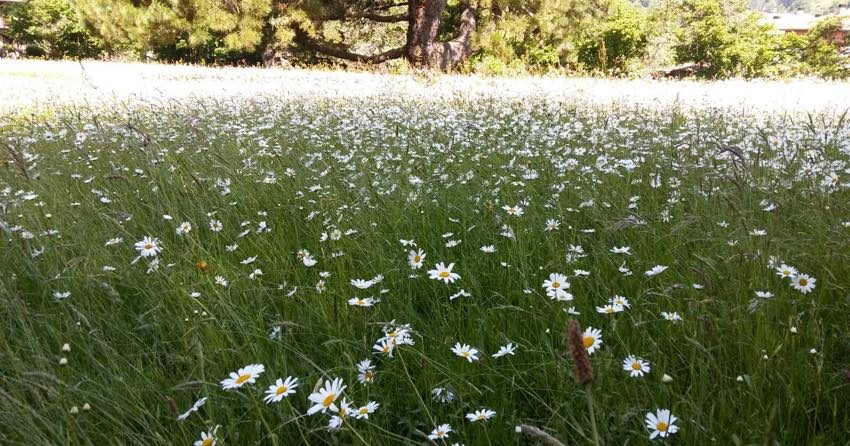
(423,51)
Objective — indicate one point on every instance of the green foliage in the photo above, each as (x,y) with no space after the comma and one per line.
(617,42)
(610,37)
(542,35)
(812,54)
(192,30)
(53,27)
(724,38)
(821,52)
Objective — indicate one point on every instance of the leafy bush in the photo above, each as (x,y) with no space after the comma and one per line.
(724,37)
(53,26)
(617,42)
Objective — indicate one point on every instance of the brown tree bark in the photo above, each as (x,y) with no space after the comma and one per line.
(422,49)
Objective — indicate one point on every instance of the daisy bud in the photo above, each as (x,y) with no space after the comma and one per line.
(581,360)
(74,410)
(813,351)
(202,265)
(86,407)
(740,379)
(794,330)
(765,357)
(518,429)
(66,347)
(63,361)
(667,379)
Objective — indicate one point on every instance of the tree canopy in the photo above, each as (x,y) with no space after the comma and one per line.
(611,37)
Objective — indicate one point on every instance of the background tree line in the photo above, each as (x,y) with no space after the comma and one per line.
(720,38)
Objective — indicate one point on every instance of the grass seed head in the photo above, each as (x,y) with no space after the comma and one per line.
(581,360)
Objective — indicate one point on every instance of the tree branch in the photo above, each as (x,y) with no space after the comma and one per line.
(403,17)
(367,14)
(386,6)
(341,52)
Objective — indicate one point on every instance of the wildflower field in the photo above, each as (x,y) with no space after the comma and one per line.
(391,269)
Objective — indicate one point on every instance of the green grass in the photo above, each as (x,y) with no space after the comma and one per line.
(139,340)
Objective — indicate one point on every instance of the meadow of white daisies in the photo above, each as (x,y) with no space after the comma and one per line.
(236,257)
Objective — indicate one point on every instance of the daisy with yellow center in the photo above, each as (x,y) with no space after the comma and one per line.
(592,339)
(556,281)
(556,287)
(465,351)
(364,411)
(207,439)
(365,372)
(440,432)
(280,389)
(416,259)
(245,375)
(444,273)
(661,424)
(635,366)
(326,397)
(148,247)
(362,302)
(803,283)
(481,415)
(786,271)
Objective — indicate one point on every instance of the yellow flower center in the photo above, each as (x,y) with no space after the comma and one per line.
(363,410)
(465,354)
(588,341)
(361,302)
(480,417)
(367,375)
(386,348)
(661,426)
(635,366)
(556,284)
(444,274)
(440,434)
(281,390)
(243,378)
(416,259)
(207,442)
(148,246)
(329,399)
(803,282)
(609,309)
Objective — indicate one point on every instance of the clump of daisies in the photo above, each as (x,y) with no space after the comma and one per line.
(325,401)
(556,287)
(394,335)
(803,283)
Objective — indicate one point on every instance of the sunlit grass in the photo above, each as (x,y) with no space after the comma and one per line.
(686,190)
